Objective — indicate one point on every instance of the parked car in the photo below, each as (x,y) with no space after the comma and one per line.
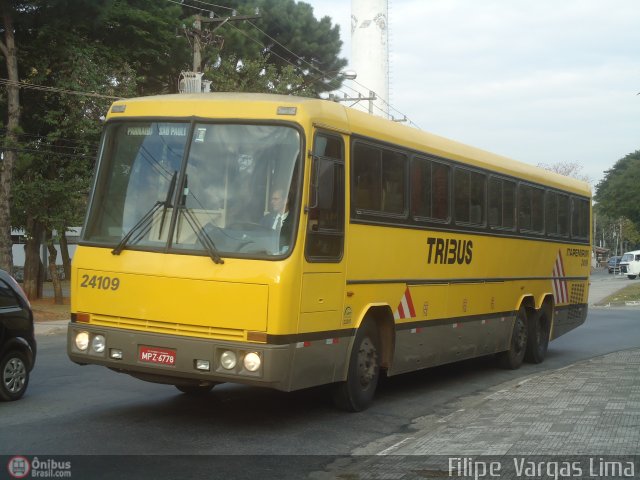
(630,264)
(17,339)
(613,264)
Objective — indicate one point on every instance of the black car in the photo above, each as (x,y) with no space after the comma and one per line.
(17,339)
(613,264)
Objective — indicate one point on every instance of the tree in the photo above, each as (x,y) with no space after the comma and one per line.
(287,36)
(7,162)
(257,75)
(568,169)
(55,157)
(124,48)
(142,34)
(110,48)
(618,234)
(617,193)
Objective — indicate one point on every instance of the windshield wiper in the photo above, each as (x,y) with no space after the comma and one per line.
(167,200)
(203,236)
(143,225)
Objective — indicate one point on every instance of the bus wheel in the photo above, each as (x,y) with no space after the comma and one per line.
(538,341)
(196,389)
(631,277)
(512,358)
(356,393)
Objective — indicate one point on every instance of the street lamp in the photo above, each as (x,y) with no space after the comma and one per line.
(348,75)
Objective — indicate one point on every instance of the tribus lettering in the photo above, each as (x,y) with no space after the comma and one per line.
(449,251)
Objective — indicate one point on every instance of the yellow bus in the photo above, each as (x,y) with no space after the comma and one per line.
(291,242)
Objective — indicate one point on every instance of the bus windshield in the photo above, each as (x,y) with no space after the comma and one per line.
(211,189)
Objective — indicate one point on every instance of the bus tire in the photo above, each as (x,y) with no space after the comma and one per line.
(631,277)
(195,390)
(538,341)
(513,358)
(356,393)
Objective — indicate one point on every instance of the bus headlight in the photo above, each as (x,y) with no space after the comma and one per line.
(99,343)
(82,341)
(228,360)
(252,361)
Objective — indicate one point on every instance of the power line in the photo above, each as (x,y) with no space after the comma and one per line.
(271,52)
(324,74)
(25,85)
(301,59)
(212,5)
(78,143)
(47,152)
(33,86)
(190,6)
(199,8)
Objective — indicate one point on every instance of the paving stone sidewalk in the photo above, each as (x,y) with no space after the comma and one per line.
(588,410)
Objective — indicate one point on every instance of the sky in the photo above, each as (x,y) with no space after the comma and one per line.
(540,81)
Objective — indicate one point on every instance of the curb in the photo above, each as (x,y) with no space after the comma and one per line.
(53,327)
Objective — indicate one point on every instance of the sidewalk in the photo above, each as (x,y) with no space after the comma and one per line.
(51,319)
(603,284)
(587,413)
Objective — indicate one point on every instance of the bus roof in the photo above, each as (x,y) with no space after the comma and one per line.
(337,116)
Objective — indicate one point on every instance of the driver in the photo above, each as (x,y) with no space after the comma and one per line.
(279,211)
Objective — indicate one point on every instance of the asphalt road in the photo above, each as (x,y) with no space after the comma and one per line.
(73,410)
(70,409)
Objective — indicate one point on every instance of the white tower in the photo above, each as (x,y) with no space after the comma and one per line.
(370,53)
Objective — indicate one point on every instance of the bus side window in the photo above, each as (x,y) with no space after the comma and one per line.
(502,194)
(393,181)
(379,177)
(531,208)
(470,191)
(440,191)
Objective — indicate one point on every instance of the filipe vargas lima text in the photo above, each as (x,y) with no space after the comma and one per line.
(587,467)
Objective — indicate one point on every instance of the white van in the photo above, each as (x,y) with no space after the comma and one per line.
(630,264)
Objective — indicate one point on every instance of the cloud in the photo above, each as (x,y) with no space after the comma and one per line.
(541,81)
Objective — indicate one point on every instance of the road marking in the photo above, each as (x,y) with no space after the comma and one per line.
(386,451)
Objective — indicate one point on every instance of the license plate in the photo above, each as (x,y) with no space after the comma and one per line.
(157,355)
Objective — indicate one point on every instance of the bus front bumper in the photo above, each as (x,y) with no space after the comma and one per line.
(179,360)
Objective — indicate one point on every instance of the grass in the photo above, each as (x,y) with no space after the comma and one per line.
(627,294)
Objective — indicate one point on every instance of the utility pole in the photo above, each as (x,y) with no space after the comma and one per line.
(202,38)
(371,98)
(191,82)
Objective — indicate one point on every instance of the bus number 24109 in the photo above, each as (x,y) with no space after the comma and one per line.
(101,282)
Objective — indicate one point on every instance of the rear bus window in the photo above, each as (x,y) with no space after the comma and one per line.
(580,218)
